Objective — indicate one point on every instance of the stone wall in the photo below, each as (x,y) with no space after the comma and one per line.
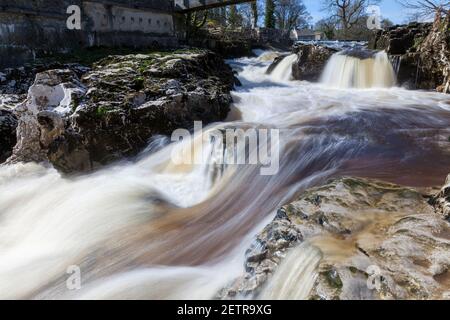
(33,28)
(274,37)
(232,43)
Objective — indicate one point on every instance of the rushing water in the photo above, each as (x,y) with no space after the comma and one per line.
(154,229)
(283,71)
(347,71)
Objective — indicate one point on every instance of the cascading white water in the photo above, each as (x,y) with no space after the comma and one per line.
(283,71)
(295,277)
(154,229)
(396,61)
(348,71)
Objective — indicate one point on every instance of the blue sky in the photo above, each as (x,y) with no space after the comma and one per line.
(389,9)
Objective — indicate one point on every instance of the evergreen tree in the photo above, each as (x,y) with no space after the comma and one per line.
(255,14)
(234,17)
(269,20)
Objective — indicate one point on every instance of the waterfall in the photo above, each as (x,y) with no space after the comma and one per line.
(359,69)
(396,61)
(296,276)
(283,71)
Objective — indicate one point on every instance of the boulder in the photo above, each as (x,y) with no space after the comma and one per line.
(312,60)
(434,57)
(111,112)
(370,240)
(400,39)
(423,50)
(40,116)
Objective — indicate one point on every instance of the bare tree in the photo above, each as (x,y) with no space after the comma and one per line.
(291,14)
(386,23)
(426,9)
(328,27)
(347,12)
(195,21)
(247,14)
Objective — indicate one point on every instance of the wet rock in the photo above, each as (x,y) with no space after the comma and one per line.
(423,50)
(361,54)
(311,62)
(18,80)
(442,200)
(434,57)
(399,40)
(8,125)
(113,110)
(263,257)
(275,63)
(377,240)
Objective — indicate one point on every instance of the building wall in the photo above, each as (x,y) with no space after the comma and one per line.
(119,18)
(29,28)
(188,5)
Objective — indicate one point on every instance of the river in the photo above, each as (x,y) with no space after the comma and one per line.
(149,228)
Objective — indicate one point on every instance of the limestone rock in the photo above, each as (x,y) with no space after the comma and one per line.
(111,112)
(435,56)
(18,80)
(311,62)
(8,124)
(442,200)
(423,50)
(49,99)
(263,257)
(378,241)
(399,40)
